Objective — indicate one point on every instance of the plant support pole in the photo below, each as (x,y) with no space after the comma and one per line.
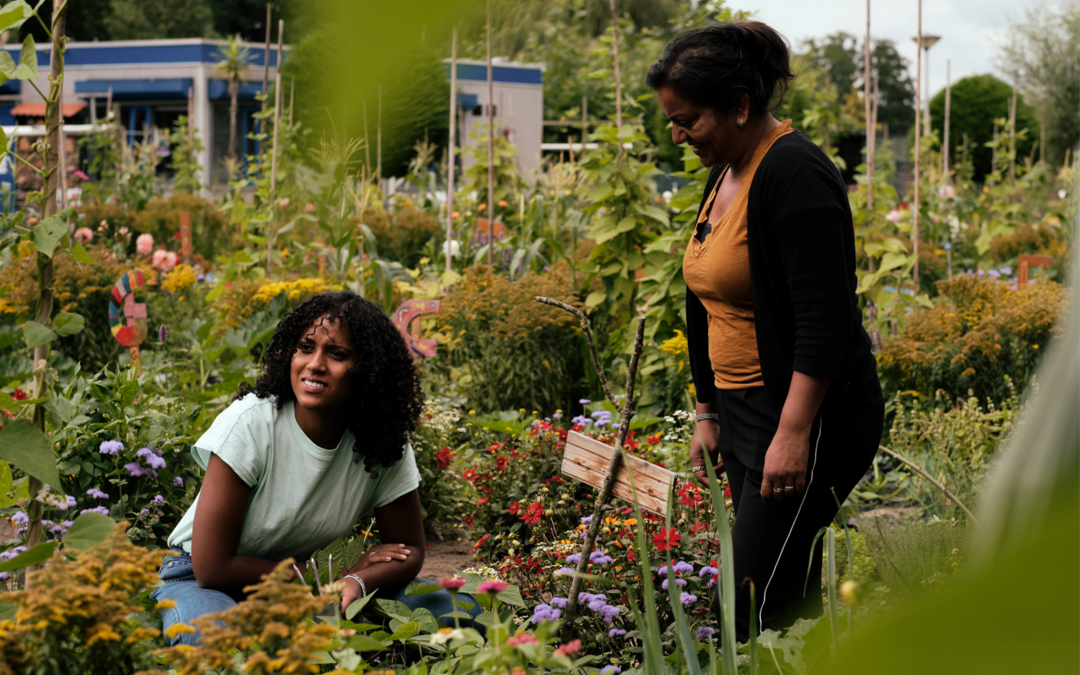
(266,61)
(867,95)
(274,151)
(453,146)
(922,472)
(615,53)
(491,145)
(945,136)
(918,153)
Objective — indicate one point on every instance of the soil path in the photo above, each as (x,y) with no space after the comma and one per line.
(443,557)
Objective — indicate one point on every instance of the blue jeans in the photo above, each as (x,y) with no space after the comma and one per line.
(192,602)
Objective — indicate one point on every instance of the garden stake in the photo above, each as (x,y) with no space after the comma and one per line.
(274,152)
(616,456)
(922,472)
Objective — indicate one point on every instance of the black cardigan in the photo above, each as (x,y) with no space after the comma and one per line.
(801,244)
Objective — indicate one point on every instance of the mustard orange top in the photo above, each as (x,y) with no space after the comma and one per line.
(717,270)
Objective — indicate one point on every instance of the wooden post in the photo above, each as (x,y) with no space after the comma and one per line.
(918,152)
(190,118)
(615,51)
(61,154)
(870,130)
(274,151)
(266,62)
(186,249)
(1012,136)
(491,144)
(378,140)
(450,165)
(948,105)
(584,121)
(292,97)
(367,142)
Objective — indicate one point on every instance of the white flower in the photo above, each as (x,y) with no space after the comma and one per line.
(628,146)
(454,247)
(445,635)
(946,192)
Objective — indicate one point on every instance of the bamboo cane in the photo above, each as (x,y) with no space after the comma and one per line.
(266,61)
(274,151)
(453,146)
(948,105)
(918,154)
(615,52)
(867,84)
(491,144)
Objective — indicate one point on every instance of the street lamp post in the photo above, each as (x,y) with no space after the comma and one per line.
(928,41)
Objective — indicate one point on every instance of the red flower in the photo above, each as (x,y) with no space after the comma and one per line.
(482,540)
(501,462)
(469,520)
(514,508)
(532,514)
(19,395)
(483,501)
(443,459)
(690,495)
(653,440)
(469,475)
(666,539)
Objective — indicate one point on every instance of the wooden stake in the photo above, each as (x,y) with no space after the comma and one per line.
(945,150)
(453,145)
(868,89)
(292,97)
(615,51)
(378,140)
(1012,136)
(918,152)
(367,142)
(266,62)
(584,122)
(491,144)
(274,151)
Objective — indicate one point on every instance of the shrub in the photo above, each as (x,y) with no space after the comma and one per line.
(402,235)
(209,224)
(979,332)
(243,297)
(506,350)
(1040,239)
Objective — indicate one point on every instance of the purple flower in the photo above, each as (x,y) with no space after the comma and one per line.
(995,274)
(581,420)
(683,567)
(597,603)
(110,447)
(708,572)
(163,333)
(67,503)
(611,670)
(687,599)
(535,423)
(545,613)
(603,422)
(616,632)
(20,517)
(586,520)
(97,509)
(599,558)
(97,494)
(573,559)
(155,462)
(556,416)
(558,602)
(565,572)
(158,501)
(135,469)
(144,512)
(584,401)
(609,612)
(145,452)
(704,633)
(662,571)
(600,413)
(1007,271)
(178,481)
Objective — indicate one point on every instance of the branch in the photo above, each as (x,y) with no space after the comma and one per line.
(922,472)
(608,485)
(589,338)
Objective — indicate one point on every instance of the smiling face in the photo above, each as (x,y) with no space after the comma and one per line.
(323,356)
(715,139)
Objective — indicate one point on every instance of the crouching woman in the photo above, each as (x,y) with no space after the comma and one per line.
(292,464)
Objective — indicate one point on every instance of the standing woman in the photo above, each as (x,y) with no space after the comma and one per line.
(788,400)
(319,441)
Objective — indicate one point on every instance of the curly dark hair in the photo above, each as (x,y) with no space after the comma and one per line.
(714,66)
(388,399)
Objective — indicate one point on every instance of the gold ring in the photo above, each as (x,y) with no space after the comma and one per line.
(789,487)
(777,490)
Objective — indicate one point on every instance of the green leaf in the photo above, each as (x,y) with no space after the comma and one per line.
(23,444)
(7,611)
(68,323)
(406,631)
(7,487)
(366,643)
(599,193)
(36,335)
(35,556)
(77,251)
(595,298)
(6,402)
(27,68)
(626,224)
(47,233)
(13,14)
(893,260)
(358,605)
(88,530)
(7,65)
(654,212)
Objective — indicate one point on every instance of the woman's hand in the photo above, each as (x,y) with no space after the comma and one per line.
(785,465)
(383,553)
(706,440)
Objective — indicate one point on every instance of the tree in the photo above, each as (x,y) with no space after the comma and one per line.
(233,62)
(1043,56)
(897,90)
(839,57)
(976,102)
(141,20)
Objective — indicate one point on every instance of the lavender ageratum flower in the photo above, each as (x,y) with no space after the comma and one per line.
(995,274)
(158,501)
(178,481)
(144,452)
(600,413)
(97,509)
(611,670)
(65,504)
(542,613)
(599,558)
(144,512)
(110,447)
(558,602)
(597,603)
(97,494)
(687,599)
(662,571)
(616,632)
(584,401)
(704,633)
(586,520)
(615,426)
(155,462)
(1007,271)
(609,612)
(20,517)
(535,423)
(135,469)
(683,567)
(564,572)
(163,333)
(602,422)
(556,416)
(708,571)
(580,420)
(573,559)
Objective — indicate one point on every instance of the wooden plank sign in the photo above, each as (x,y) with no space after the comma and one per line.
(186,248)
(1025,262)
(587,459)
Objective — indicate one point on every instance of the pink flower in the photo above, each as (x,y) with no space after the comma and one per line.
(309,208)
(283,204)
(81,176)
(569,648)
(84,234)
(144,244)
(169,262)
(946,192)
(493,587)
(451,584)
(159,257)
(894,216)
(523,639)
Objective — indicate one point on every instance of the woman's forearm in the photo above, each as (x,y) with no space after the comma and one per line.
(390,574)
(803,401)
(234,573)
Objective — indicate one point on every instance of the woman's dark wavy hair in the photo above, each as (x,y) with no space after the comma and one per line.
(387,400)
(714,66)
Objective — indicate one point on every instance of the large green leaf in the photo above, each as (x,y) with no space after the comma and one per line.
(50,230)
(36,335)
(27,68)
(88,530)
(7,486)
(7,611)
(78,252)
(34,556)
(23,444)
(13,14)
(68,323)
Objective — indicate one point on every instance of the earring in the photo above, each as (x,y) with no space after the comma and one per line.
(741,122)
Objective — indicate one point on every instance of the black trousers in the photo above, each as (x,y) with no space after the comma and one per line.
(772,541)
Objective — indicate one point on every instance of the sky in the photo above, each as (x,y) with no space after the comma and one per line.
(970,30)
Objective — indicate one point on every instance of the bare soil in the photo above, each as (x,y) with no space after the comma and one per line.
(443,557)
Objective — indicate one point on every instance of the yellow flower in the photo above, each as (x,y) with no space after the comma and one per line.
(180,278)
(676,346)
(165,604)
(178,628)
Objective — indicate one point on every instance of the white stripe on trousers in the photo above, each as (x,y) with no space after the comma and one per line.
(765,593)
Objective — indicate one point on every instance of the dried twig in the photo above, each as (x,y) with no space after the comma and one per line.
(588,338)
(627,412)
(922,472)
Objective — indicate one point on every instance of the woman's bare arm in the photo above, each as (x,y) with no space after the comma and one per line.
(399,558)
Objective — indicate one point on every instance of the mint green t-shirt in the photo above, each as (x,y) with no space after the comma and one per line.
(302,496)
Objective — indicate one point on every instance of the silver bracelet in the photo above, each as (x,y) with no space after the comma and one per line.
(698,468)
(709,416)
(363,587)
